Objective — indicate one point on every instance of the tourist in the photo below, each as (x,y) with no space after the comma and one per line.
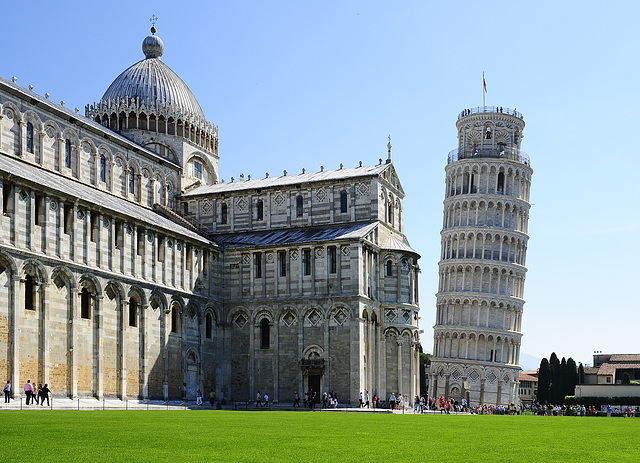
(266,400)
(296,400)
(325,398)
(28,390)
(7,392)
(45,395)
(198,397)
(366,398)
(392,401)
(39,394)
(258,399)
(360,402)
(212,397)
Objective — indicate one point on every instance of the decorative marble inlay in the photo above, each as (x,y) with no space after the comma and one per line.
(363,189)
(278,199)
(206,206)
(474,375)
(241,203)
(321,195)
(245,259)
(53,205)
(340,316)
(492,377)
(240,320)
(314,317)
(288,319)
(345,250)
(390,315)
(294,255)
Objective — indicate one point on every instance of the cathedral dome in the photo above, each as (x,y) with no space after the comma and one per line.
(153,83)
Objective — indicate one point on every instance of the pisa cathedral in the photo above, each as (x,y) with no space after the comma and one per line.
(129,269)
(482,263)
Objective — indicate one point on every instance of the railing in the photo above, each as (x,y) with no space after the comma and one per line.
(512,154)
(489,109)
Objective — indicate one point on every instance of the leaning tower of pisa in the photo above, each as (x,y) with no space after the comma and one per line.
(482,264)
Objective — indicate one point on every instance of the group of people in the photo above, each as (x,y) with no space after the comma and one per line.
(34,394)
(262,401)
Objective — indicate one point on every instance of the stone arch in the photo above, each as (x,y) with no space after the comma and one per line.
(313,316)
(35,269)
(263,312)
(313,351)
(7,262)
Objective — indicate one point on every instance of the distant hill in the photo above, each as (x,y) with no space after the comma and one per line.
(529,362)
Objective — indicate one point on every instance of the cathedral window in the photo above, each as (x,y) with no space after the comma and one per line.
(103,168)
(205,262)
(390,213)
(260,210)
(343,202)
(257,265)
(306,261)
(67,153)
(500,186)
(264,334)
(85,304)
(160,248)
(389,268)
(37,210)
(94,228)
(208,330)
(333,259)
(29,293)
(140,243)
(132,183)
(187,258)
(29,137)
(133,312)
(68,215)
(185,208)
(197,169)
(299,206)
(6,196)
(117,238)
(223,213)
(282,258)
(175,319)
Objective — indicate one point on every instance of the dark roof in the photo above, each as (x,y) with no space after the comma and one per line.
(74,189)
(293,236)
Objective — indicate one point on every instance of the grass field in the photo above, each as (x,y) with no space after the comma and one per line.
(204,436)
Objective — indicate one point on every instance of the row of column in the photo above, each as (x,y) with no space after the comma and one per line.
(509,217)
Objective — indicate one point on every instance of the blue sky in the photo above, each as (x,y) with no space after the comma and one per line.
(299,84)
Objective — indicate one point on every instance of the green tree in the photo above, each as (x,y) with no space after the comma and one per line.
(554,388)
(581,374)
(626,379)
(572,377)
(544,380)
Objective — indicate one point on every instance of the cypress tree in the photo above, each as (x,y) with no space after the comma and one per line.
(554,388)
(572,377)
(544,379)
(581,374)
(564,379)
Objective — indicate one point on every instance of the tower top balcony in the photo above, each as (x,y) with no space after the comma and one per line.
(512,154)
(490,109)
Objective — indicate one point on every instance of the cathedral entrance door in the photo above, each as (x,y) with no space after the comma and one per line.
(314,385)
(192,376)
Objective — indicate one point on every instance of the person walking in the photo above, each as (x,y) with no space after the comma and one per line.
(45,395)
(258,399)
(296,401)
(7,392)
(198,397)
(28,390)
(212,397)
(266,400)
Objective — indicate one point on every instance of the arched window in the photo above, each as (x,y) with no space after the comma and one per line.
(260,210)
(390,213)
(67,153)
(208,326)
(103,168)
(85,303)
(343,202)
(29,293)
(389,268)
(175,319)
(223,213)
(133,312)
(264,334)
(29,137)
(299,206)
(500,186)
(132,183)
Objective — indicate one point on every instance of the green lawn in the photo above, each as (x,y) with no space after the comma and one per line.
(46,436)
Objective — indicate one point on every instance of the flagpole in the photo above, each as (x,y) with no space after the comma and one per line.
(484,92)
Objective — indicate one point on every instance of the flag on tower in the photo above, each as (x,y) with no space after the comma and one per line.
(484,83)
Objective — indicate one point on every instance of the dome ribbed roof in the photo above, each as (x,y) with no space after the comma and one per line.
(153,82)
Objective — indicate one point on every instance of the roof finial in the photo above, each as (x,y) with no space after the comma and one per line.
(153,20)
(389,150)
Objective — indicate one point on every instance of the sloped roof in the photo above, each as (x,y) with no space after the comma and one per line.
(293,236)
(610,368)
(287,180)
(397,244)
(73,189)
(620,358)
